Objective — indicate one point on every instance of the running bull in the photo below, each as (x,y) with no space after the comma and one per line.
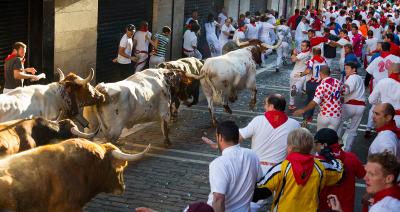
(191,67)
(143,97)
(50,101)
(225,75)
(23,134)
(62,177)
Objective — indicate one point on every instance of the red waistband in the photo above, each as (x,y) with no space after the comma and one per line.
(138,52)
(355,102)
(185,50)
(397,112)
(267,163)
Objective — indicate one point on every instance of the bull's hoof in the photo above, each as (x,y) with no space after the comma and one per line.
(167,143)
(227,109)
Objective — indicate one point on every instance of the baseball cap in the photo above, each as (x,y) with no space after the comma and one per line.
(326,136)
(130,27)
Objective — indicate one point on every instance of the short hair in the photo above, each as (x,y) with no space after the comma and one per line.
(386,46)
(312,31)
(390,36)
(344,31)
(316,51)
(327,30)
(229,131)
(370,33)
(398,27)
(389,109)
(354,26)
(307,42)
(325,70)
(18,45)
(166,29)
(301,140)
(195,27)
(349,46)
(352,65)
(248,13)
(388,161)
(278,101)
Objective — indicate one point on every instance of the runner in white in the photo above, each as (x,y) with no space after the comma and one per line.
(283,50)
(240,32)
(327,95)
(301,33)
(266,31)
(354,104)
(142,39)
(190,42)
(300,59)
(227,31)
(252,29)
(211,36)
(388,90)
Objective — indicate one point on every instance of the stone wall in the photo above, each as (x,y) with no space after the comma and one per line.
(75,35)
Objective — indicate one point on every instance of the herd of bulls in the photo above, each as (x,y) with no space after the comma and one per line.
(47,163)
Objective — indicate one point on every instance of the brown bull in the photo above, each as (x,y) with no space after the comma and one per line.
(62,177)
(24,134)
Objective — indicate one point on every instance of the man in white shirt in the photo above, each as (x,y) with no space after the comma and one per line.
(190,42)
(354,104)
(376,28)
(371,44)
(142,39)
(342,18)
(252,29)
(240,32)
(124,58)
(388,134)
(227,31)
(301,33)
(388,90)
(194,17)
(222,16)
(233,174)
(283,50)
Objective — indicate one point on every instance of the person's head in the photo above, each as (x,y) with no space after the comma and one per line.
(394,68)
(166,30)
(242,16)
(305,45)
(227,134)
(342,12)
(275,102)
(343,33)
(311,33)
(195,14)
(195,27)
(304,20)
(332,19)
(283,21)
(348,20)
(144,25)
(327,31)
(296,11)
(130,30)
(324,71)
(210,17)
(325,137)
(316,51)
(386,46)
(348,48)
(374,21)
(20,49)
(350,68)
(379,46)
(300,140)
(391,28)
(389,37)
(247,14)
(354,29)
(382,170)
(370,34)
(383,114)
(228,21)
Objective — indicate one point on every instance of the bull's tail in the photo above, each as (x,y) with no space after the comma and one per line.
(216,95)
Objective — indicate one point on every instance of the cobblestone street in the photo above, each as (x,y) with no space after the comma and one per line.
(170,179)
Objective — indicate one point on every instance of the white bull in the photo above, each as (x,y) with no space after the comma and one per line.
(225,75)
(47,101)
(142,97)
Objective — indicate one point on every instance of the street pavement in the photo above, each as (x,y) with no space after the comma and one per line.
(170,179)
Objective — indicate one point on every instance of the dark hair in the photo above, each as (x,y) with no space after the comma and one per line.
(389,110)
(278,101)
(370,33)
(166,29)
(229,131)
(307,42)
(352,65)
(316,51)
(390,36)
(210,17)
(18,45)
(388,161)
(398,27)
(247,13)
(324,69)
(354,26)
(312,31)
(386,46)
(195,27)
(344,31)
(327,30)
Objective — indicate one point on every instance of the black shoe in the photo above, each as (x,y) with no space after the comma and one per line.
(277,70)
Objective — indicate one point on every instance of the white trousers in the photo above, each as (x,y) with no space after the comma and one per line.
(141,62)
(155,61)
(327,122)
(353,113)
(215,48)
(194,53)
(283,54)
(298,82)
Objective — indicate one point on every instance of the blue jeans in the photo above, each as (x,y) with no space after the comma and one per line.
(310,91)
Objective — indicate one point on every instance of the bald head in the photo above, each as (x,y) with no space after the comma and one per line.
(383,114)
(394,68)
(325,71)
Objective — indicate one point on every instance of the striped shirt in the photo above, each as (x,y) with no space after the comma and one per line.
(162,45)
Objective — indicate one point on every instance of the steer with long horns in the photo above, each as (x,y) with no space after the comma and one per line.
(23,134)
(225,75)
(49,101)
(62,177)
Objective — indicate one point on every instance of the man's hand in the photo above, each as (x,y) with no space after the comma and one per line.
(210,142)
(30,70)
(298,112)
(333,203)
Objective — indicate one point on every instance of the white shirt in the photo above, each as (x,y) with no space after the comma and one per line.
(222,37)
(377,32)
(371,44)
(354,88)
(341,20)
(126,43)
(266,28)
(268,143)
(142,44)
(234,175)
(378,67)
(342,42)
(252,31)
(356,22)
(210,27)
(222,18)
(239,35)
(299,31)
(246,20)
(301,64)
(387,204)
(385,140)
(189,40)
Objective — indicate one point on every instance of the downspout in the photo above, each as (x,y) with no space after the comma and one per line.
(172,30)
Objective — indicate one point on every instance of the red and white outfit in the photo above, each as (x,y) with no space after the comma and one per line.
(190,45)
(268,135)
(387,140)
(299,66)
(327,96)
(314,64)
(353,108)
(142,47)
(387,200)
(378,68)
(388,90)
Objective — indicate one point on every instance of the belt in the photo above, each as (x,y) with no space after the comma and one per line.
(138,52)
(267,163)
(185,50)
(355,102)
(397,112)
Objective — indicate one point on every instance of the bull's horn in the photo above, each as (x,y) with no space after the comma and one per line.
(87,79)
(241,43)
(61,74)
(272,47)
(197,77)
(75,131)
(129,157)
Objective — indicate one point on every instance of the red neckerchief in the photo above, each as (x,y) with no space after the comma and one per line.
(338,151)
(385,54)
(390,126)
(302,166)
(305,51)
(241,29)
(393,191)
(395,76)
(144,29)
(254,24)
(189,27)
(276,118)
(376,25)
(318,58)
(10,56)
(346,38)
